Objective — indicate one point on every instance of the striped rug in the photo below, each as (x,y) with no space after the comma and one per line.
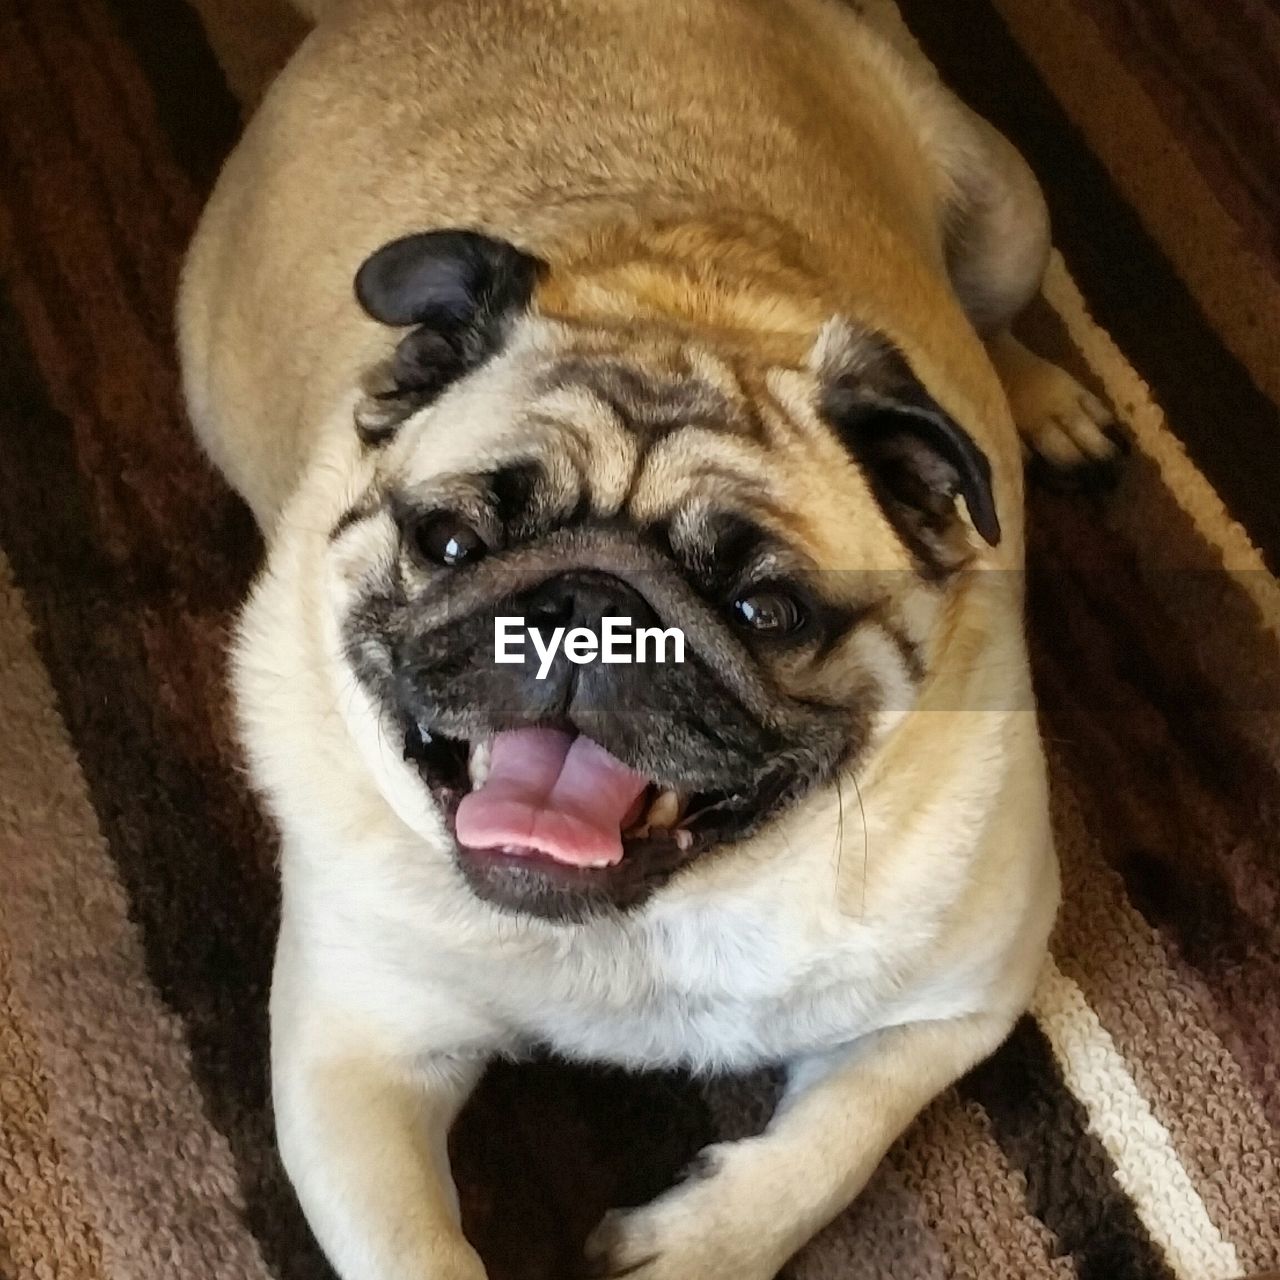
(1130,1128)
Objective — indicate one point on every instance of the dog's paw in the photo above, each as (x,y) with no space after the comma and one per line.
(1072,437)
(689,1233)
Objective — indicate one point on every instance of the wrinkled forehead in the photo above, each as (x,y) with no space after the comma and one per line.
(652,428)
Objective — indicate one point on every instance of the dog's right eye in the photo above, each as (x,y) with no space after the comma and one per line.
(447,540)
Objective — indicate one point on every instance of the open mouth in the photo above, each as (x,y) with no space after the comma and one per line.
(547,822)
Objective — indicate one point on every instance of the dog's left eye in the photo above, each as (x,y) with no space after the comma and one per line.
(768,611)
(446,540)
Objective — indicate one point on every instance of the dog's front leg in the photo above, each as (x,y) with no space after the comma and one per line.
(748,1206)
(363,1134)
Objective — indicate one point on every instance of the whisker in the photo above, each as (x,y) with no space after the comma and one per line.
(839,831)
(866,850)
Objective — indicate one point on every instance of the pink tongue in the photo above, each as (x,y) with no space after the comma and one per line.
(549,792)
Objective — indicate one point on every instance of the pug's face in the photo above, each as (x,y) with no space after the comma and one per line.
(790,526)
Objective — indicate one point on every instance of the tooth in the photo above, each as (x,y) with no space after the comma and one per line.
(665,810)
(684,838)
(478,762)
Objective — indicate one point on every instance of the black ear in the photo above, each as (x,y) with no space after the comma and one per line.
(445,279)
(459,288)
(917,459)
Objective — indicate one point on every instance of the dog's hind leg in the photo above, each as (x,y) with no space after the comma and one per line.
(1071,434)
(996,229)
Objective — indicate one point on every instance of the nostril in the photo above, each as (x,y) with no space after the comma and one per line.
(552,609)
(584,598)
(552,604)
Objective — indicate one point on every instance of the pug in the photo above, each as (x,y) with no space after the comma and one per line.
(688,317)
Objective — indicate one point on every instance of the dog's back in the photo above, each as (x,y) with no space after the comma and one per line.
(536,121)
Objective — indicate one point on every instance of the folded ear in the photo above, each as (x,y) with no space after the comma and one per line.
(460,290)
(917,459)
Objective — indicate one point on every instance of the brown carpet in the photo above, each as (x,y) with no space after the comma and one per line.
(1129,1130)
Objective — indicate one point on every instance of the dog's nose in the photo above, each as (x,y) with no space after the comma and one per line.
(584,598)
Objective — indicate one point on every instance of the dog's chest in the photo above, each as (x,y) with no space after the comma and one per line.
(729,987)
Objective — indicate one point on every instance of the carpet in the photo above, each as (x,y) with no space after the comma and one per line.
(1130,1127)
